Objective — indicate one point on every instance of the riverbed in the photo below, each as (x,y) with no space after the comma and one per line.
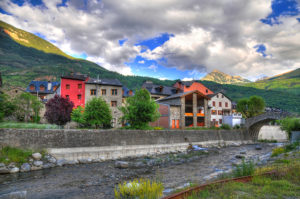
(97,180)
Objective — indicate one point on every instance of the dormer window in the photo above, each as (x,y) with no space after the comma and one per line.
(206,90)
(42,88)
(32,87)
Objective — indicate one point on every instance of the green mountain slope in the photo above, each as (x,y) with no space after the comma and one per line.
(287,82)
(223,78)
(19,64)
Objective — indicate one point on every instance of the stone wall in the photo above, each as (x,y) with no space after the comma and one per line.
(40,139)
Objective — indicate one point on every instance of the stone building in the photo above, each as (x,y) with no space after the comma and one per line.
(220,106)
(158,91)
(111,91)
(188,109)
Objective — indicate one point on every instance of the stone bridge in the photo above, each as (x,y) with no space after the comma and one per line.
(254,124)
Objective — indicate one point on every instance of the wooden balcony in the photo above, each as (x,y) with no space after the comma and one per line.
(191,114)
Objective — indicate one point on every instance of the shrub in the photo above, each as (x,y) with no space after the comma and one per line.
(244,169)
(225,126)
(141,189)
(77,115)
(10,154)
(277,151)
(236,126)
(289,125)
(58,110)
(97,113)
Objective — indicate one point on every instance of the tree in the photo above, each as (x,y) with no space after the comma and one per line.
(58,110)
(27,105)
(77,115)
(97,113)
(251,107)
(7,106)
(140,109)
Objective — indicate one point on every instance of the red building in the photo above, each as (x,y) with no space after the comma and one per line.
(73,87)
(186,86)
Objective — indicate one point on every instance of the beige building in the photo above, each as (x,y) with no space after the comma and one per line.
(111,91)
(220,106)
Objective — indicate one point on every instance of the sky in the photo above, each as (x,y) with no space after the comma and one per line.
(168,39)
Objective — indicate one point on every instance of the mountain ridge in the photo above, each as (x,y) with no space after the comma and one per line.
(223,78)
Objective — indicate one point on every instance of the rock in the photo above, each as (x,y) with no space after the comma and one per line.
(258,147)
(37,156)
(11,165)
(138,165)
(25,167)
(243,152)
(121,164)
(85,161)
(48,165)
(38,163)
(14,170)
(50,159)
(4,170)
(2,165)
(239,156)
(15,195)
(72,162)
(34,168)
(61,162)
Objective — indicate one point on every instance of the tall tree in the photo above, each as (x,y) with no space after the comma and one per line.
(140,109)
(58,110)
(251,107)
(97,113)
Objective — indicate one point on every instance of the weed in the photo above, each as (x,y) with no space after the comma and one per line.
(23,125)
(244,169)
(10,154)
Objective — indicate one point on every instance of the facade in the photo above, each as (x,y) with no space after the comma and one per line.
(45,90)
(111,91)
(233,120)
(73,88)
(158,91)
(186,86)
(181,110)
(220,106)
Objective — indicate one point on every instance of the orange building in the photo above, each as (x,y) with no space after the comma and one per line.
(186,86)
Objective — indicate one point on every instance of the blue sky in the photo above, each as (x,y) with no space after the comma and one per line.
(150,40)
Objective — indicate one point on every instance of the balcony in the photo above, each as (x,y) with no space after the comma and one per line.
(191,114)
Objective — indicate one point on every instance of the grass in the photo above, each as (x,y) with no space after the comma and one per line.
(267,141)
(202,128)
(141,189)
(10,154)
(285,149)
(22,125)
(284,184)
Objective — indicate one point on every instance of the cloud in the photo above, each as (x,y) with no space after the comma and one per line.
(163,78)
(187,79)
(207,35)
(153,67)
(141,62)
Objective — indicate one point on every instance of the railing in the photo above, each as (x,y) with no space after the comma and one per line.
(191,114)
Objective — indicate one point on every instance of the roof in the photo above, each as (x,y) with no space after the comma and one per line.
(111,82)
(179,95)
(126,92)
(212,95)
(155,89)
(75,77)
(38,84)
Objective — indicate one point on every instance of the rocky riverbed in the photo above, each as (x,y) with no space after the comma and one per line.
(97,180)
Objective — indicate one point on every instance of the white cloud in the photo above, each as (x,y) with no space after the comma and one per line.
(153,67)
(207,34)
(163,78)
(187,79)
(141,62)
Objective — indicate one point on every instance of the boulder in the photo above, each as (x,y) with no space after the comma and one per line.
(37,156)
(34,168)
(38,163)
(50,159)
(14,170)
(61,162)
(121,164)
(48,165)
(243,152)
(25,167)
(4,170)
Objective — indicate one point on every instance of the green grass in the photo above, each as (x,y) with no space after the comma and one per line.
(267,141)
(285,149)
(22,125)
(202,128)
(10,154)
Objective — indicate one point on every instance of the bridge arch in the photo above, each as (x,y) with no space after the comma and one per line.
(254,124)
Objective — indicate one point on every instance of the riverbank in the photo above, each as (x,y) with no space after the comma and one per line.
(97,180)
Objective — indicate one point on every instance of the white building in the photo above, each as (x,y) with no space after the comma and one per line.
(233,119)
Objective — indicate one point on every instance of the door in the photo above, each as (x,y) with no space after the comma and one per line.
(177,124)
(173,124)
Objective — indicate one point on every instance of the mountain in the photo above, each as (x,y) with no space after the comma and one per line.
(223,78)
(20,63)
(287,82)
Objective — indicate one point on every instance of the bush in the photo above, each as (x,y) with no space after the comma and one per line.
(277,151)
(289,125)
(236,126)
(141,189)
(77,115)
(158,128)
(97,113)
(225,126)
(10,154)
(244,169)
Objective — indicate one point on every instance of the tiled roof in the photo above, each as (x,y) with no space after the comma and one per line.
(112,82)
(212,95)
(38,84)
(178,95)
(75,77)
(158,89)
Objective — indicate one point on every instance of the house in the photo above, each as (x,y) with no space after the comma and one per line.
(73,88)
(45,90)
(185,86)
(159,91)
(233,120)
(111,90)
(188,109)
(220,106)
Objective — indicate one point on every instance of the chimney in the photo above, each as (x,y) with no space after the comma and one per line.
(49,86)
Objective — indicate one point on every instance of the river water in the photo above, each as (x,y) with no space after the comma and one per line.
(97,180)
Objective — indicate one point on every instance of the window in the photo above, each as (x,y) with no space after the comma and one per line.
(68,86)
(213,112)
(114,92)
(220,104)
(214,103)
(93,91)
(79,86)
(103,91)
(220,113)
(226,104)
(79,97)
(67,96)
(220,121)
(113,103)
(42,88)
(32,87)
